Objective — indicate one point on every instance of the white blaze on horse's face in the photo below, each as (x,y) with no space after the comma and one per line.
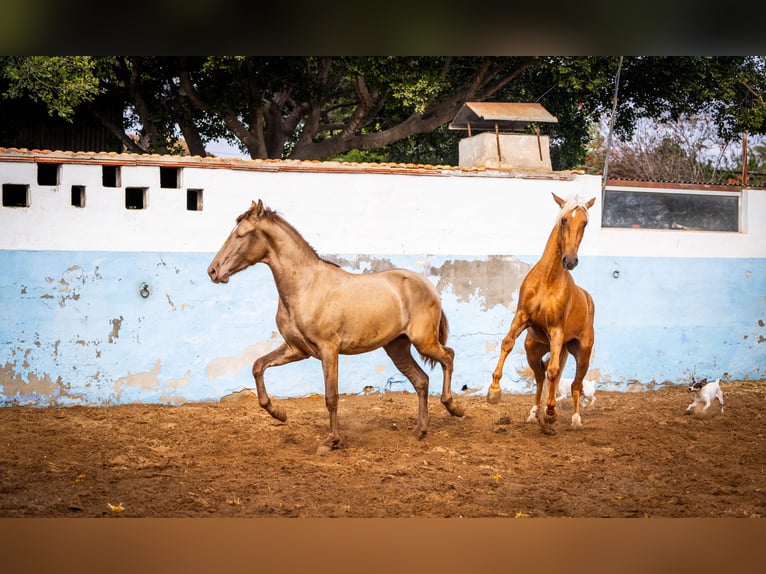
(572,221)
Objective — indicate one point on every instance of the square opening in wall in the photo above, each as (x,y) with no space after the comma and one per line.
(170,177)
(48,173)
(110,175)
(194,199)
(78,196)
(135,198)
(15,195)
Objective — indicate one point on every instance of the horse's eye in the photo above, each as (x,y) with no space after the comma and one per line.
(241,231)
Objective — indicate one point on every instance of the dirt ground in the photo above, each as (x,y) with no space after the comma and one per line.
(637,455)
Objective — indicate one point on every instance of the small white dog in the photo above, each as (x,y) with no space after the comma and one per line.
(705,392)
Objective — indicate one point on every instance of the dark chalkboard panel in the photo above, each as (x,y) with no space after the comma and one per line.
(656,210)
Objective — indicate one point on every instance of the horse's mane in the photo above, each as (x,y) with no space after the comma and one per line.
(573,202)
(274,217)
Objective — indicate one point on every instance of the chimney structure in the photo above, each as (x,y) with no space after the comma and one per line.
(506,142)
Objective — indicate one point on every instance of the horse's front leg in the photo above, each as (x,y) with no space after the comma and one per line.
(517,326)
(280,356)
(330,370)
(553,373)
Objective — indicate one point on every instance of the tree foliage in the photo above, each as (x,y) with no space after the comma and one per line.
(378,108)
(61,83)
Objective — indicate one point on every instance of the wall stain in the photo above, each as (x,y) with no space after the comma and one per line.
(220,366)
(362,263)
(116,326)
(147,380)
(170,392)
(63,289)
(493,280)
(37,389)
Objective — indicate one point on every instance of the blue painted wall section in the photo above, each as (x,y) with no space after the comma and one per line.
(77,328)
(101,304)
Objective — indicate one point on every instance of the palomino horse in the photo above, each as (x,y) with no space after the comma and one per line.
(557,314)
(325,311)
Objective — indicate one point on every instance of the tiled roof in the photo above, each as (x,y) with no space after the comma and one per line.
(58,156)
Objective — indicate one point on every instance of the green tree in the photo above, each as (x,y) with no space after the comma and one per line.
(381,108)
(61,83)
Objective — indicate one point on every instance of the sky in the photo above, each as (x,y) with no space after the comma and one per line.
(222,148)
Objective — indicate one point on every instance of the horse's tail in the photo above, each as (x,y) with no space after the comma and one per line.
(443,333)
(443,329)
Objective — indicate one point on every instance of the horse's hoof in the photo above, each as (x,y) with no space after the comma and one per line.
(278,413)
(454,409)
(328,445)
(532,414)
(550,411)
(421,433)
(548,429)
(576,421)
(549,419)
(493,396)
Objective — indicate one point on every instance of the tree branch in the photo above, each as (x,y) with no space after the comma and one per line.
(255,146)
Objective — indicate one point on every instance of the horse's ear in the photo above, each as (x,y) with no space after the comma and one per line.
(558,199)
(590,203)
(257,209)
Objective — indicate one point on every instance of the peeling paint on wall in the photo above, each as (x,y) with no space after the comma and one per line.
(15,385)
(493,280)
(170,393)
(220,366)
(116,325)
(36,389)
(146,380)
(361,263)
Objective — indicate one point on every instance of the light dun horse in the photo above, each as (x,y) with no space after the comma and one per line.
(557,314)
(325,311)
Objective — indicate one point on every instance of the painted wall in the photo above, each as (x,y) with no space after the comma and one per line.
(104,305)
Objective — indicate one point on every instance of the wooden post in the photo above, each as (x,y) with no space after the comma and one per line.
(497,140)
(539,145)
(744,160)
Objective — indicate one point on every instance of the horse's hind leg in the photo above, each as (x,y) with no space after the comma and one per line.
(438,353)
(582,356)
(399,351)
(553,371)
(280,356)
(535,353)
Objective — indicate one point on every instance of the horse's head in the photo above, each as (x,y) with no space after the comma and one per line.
(573,218)
(245,246)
